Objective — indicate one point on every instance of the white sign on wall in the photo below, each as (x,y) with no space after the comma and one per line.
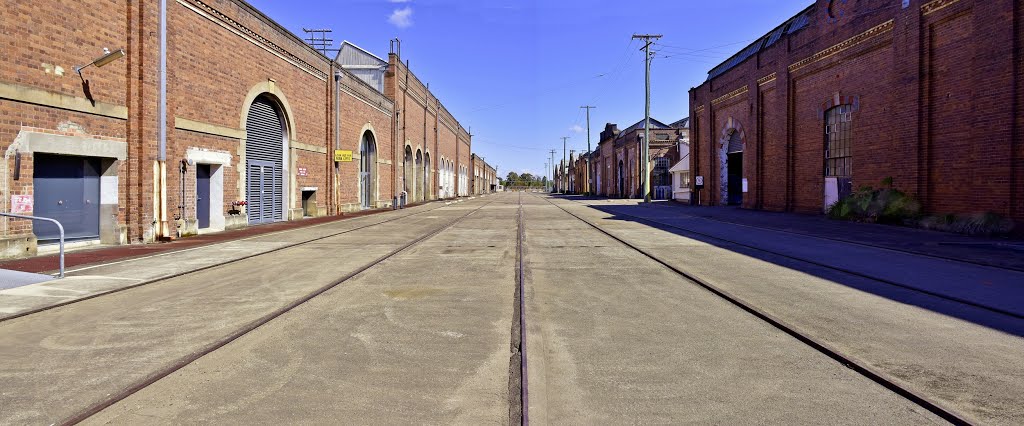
(699,181)
(744,185)
(21,204)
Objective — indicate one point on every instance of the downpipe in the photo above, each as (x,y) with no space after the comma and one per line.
(161,167)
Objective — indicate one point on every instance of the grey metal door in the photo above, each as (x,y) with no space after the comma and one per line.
(264,192)
(203,195)
(66,188)
(264,152)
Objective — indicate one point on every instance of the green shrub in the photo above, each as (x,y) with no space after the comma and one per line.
(883,205)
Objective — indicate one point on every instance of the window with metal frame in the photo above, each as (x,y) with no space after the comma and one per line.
(839,141)
(661,174)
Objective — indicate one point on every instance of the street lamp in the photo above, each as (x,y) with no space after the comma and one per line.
(107,58)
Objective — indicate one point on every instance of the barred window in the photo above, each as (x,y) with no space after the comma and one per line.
(661,176)
(839,141)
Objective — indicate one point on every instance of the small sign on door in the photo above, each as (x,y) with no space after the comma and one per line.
(302,171)
(21,204)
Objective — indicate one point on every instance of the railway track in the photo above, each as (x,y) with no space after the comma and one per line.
(847,271)
(858,243)
(524,401)
(777,323)
(169,369)
(207,267)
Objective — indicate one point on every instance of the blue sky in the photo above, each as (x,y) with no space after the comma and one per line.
(516,72)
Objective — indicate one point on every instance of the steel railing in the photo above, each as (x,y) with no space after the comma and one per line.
(59,227)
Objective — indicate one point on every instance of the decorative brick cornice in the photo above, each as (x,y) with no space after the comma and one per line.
(227,22)
(851,42)
(738,92)
(936,5)
(699,109)
(766,79)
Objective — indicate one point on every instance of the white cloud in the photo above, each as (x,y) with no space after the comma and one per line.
(576,128)
(401,18)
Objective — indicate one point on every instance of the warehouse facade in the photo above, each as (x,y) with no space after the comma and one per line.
(235,122)
(849,93)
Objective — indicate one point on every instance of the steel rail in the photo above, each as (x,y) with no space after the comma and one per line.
(45,219)
(523,372)
(208,267)
(820,346)
(946,297)
(847,241)
(189,359)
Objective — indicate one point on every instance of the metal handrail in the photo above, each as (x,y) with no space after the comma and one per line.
(59,227)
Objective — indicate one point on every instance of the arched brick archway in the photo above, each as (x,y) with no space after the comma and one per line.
(731,145)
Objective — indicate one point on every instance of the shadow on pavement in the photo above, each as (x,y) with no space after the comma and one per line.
(984,317)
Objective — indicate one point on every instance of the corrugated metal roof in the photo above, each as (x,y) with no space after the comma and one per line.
(681,124)
(363,64)
(794,24)
(655,124)
(350,54)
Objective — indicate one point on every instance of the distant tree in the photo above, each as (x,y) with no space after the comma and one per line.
(527,178)
(511,179)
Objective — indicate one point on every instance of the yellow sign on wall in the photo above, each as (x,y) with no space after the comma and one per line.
(343,155)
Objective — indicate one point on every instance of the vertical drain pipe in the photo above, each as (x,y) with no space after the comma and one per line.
(337,134)
(161,114)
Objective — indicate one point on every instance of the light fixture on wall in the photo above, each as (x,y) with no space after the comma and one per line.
(107,58)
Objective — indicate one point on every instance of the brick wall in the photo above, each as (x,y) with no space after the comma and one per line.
(935,90)
(221,55)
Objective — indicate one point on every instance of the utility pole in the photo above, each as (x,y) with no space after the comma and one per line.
(553,169)
(546,175)
(561,168)
(590,176)
(647,111)
(570,174)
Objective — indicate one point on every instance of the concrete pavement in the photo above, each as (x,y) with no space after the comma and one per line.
(617,338)
(987,286)
(90,280)
(60,361)
(426,336)
(967,359)
(421,338)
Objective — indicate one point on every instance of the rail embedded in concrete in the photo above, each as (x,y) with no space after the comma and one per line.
(59,227)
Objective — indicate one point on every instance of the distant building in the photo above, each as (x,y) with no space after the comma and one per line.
(681,169)
(617,161)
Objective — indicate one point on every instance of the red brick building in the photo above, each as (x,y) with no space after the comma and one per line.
(617,159)
(850,92)
(251,123)
(485,178)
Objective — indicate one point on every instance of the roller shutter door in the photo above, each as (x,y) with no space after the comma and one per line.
(264,152)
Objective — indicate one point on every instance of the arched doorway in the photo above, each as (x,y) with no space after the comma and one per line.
(408,178)
(428,178)
(367,169)
(734,169)
(622,179)
(265,138)
(419,176)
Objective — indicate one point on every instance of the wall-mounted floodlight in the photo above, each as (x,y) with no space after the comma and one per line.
(107,58)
